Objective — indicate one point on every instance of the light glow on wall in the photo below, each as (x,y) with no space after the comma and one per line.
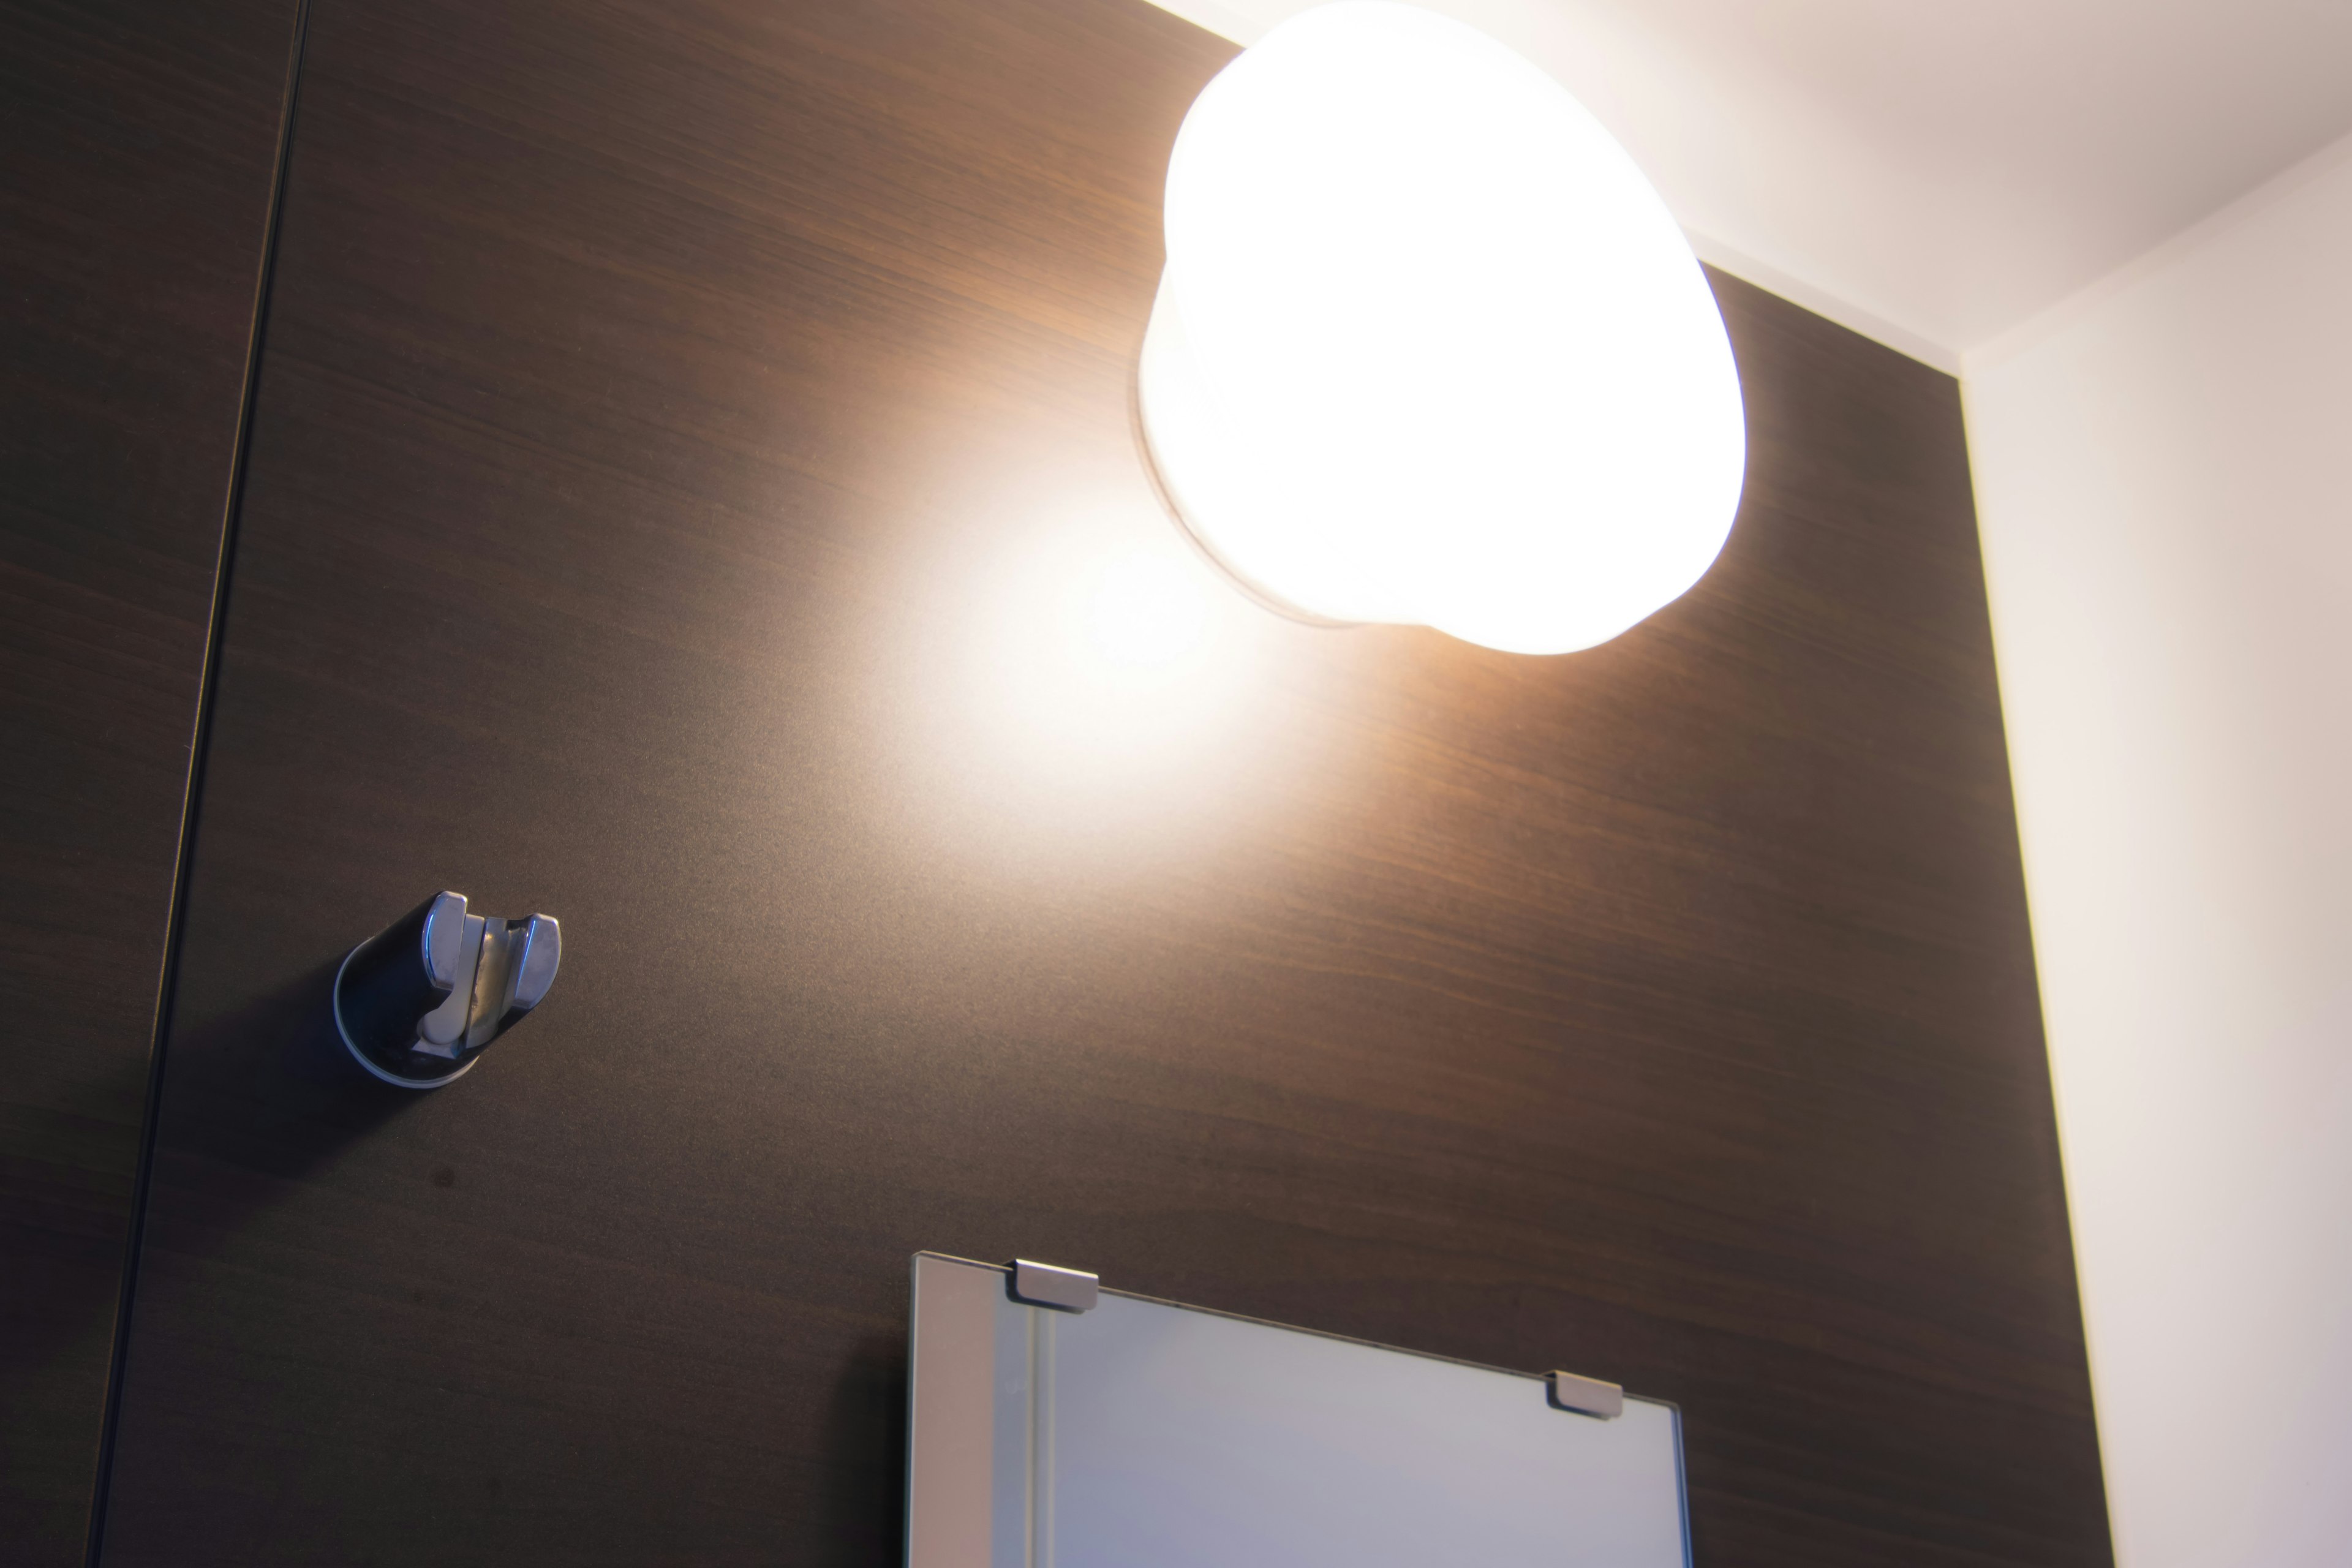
(1086,664)
(1428,347)
(1146,611)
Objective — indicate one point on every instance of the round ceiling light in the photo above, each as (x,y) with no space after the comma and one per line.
(1428,347)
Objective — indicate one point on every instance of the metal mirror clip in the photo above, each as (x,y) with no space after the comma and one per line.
(416,1004)
(1045,1285)
(1584,1395)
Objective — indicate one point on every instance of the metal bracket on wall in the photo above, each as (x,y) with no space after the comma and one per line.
(418,1003)
(1043,1284)
(1584,1395)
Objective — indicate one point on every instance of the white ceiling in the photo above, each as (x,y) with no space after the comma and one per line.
(1934,175)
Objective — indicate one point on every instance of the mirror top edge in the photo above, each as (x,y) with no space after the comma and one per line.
(1535,1377)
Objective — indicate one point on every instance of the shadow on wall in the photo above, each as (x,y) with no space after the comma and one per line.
(270,1086)
(273,1081)
(278,1081)
(864,1504)
(59,1291)
(274,1078)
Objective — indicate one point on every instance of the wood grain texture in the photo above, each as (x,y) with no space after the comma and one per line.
(680,421)
(140,138)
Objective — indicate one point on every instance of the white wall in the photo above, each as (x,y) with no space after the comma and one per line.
(2163,471)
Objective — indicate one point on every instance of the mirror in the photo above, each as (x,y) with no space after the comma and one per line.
(1141,1434)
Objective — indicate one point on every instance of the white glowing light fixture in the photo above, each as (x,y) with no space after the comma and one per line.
(1428,347)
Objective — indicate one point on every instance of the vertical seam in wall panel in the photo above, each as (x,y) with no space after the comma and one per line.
(191,799)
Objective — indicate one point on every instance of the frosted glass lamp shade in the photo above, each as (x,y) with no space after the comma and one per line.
(1428,347)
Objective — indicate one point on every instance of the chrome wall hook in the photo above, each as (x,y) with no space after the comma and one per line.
(418,1003)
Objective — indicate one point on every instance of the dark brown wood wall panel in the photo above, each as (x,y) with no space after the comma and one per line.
(141,137)
(678,420)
